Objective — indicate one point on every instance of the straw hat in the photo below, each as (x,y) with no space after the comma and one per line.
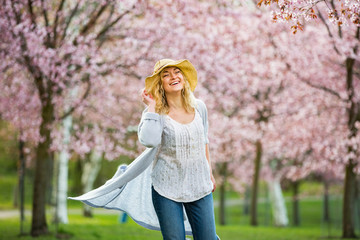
(184,65)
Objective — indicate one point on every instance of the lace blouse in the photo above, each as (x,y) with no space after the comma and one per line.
(181,171)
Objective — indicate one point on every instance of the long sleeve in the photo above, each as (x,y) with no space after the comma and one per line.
(150,129)
(204,115)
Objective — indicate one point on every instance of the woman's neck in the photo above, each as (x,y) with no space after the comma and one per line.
(175,102)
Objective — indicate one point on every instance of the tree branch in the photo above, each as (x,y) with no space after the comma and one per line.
(308,8)
(326,89)
(86,94)
(31,11)
(103,39)
(69,19)
(112,11)
(46,19)
(93,18)
(337,16)
(357,36)
(328,29)
(61,5)
(320,87)
(108,26)
(34,70)
(357,118)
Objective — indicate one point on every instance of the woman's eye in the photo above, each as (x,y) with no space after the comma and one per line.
(177,72)
(165,75)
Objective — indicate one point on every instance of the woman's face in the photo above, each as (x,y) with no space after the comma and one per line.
(172,79)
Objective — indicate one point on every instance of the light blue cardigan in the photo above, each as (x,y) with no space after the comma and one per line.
(129,190)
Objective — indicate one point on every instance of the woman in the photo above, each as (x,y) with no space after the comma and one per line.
(181,176)
(174,172)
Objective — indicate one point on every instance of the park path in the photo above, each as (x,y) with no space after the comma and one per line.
(14,212)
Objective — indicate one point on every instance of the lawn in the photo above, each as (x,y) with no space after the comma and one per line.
(107,227)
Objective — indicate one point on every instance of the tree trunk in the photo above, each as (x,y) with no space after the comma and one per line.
(22,184)
(295,200)
(357,199)
(61,215)
(39,226)
(50,177)
(222,204)
(326,216)
(350,176)
(16,196)
(278,203)
(246,207)
(77,173)
(253,210)
(223,172)
(43,158)
(349,203)
(90,172)
(62,182)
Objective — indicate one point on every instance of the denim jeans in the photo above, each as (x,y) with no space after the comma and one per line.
(200,214)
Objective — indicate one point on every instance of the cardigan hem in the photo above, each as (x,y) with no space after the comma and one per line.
(141,223)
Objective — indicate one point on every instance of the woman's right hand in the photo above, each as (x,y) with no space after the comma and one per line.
(148,100)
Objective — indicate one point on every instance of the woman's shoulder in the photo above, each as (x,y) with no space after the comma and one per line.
(200,104)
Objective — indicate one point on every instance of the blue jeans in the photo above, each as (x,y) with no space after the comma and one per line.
(200,214)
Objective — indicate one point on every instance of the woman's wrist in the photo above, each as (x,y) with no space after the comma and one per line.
(151,108)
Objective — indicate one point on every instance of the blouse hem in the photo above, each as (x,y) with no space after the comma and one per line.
(182,201)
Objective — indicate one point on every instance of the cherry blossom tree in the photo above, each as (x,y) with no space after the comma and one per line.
(337,29)
(48,49)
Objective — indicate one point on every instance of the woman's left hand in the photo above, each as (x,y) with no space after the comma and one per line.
(214,183)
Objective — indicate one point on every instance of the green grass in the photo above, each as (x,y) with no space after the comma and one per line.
(80,228)
(7,190)
(8,186)
(106,227)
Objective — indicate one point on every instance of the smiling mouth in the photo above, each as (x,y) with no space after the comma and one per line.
(174,83)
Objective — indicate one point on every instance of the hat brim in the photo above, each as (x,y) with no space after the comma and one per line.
(184,65)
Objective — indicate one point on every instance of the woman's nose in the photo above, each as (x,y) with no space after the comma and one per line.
(172,75)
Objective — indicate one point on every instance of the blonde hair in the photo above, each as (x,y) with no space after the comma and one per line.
(156,89)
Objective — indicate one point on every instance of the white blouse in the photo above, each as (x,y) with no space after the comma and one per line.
(181,171)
